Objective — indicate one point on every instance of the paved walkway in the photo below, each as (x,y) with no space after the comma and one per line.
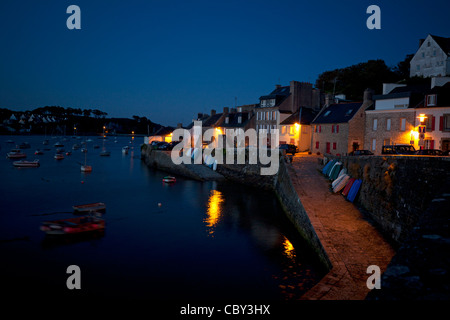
(351,242)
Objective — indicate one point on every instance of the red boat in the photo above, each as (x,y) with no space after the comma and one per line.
(90,207)
(73,225)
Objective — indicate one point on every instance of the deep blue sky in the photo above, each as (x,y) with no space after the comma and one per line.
(169,60)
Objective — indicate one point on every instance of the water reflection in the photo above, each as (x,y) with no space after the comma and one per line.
(214,210)
(289,250)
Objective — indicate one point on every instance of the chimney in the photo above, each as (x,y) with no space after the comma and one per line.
(421,42)
(233,110)
(225,110)
(328,99)
(368,93)
(277,86)
(199,116)
(213,112)
(179,125)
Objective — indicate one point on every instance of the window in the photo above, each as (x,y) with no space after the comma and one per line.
(274,115)
(431,100)
(327,113)
(334,145)
(258,115)
(386,142)
(291,130)
(317,144)
(375,124)
(418,67)
(267,115)
(374,144)
(388,124)
(402,124)
(429,122)
(240,119)
(227,120)
(444,122)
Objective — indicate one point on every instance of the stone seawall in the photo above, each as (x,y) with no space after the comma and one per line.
(396,190)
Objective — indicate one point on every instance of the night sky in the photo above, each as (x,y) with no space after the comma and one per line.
(169,60)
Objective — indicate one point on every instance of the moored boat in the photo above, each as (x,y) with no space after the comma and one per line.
(90,207)
(169,179)
(73,225)
(24,163)
(58,145)
(86,168)
(15,154)
(38,151)
(59,156)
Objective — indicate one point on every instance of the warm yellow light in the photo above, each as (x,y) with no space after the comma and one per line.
(132,132)
(214,209)
(297,127)
(422,117)
(219,131)
(288,249)
(414,135)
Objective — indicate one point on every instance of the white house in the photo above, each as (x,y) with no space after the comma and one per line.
(432,58)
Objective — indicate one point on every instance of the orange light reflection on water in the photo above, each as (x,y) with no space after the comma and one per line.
(214,210)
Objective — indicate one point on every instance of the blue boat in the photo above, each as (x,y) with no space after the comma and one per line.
(327,166)
(354,190)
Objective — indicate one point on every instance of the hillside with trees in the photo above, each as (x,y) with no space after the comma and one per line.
(353,80)
(70,121)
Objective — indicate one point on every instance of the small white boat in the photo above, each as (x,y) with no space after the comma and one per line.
(169,179)
(25,163)
(59,156)
(105,153)
(85,167)
(38,151)
(16,154)
(125,150)
(58,145)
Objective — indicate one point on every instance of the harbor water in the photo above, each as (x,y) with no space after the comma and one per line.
(183,241)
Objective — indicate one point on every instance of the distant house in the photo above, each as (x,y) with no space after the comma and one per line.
(396,117)
(392,118)
(436,112)
(162,134)
(432,58)
(296,129)
(282,102)
(339,128)
(236,121)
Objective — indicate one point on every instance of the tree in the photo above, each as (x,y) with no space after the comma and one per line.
(403,67)
(353,80)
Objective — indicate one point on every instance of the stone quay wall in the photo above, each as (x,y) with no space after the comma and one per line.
(396,190)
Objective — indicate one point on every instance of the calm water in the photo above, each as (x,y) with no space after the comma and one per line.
(206,241)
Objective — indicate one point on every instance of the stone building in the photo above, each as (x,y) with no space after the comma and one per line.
(282,102)
(396,117)
(432,58)
(339,128)
(296,129)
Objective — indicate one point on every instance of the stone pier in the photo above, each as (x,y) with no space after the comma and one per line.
(351,243)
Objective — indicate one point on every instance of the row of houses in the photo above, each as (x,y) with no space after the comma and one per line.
(316,122)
